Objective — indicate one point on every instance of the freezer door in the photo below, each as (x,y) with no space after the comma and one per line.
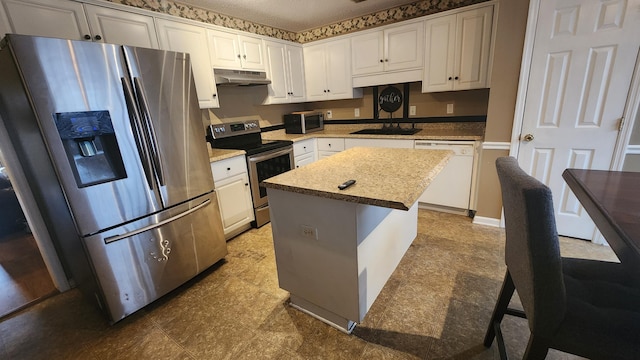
(165,90)
(76,90)
(138,263)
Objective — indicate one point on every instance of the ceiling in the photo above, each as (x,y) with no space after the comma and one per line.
(295,15)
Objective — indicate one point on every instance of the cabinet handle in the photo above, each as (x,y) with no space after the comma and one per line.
(87,37)
(98,37)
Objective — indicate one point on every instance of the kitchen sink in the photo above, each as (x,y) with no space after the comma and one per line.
(387,131)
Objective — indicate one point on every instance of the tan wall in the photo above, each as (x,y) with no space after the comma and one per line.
(242,103)
(509,41)
(472,102)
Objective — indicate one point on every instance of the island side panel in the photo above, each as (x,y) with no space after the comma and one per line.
(384,236)
(322,271)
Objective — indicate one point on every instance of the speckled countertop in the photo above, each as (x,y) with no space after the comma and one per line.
(435,131)
(392,178)
(221,154)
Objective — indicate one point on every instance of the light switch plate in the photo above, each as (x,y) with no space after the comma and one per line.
(412,110)
(356,112)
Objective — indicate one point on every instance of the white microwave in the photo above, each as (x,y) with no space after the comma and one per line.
(303,122)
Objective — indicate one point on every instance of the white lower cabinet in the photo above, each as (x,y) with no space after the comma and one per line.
(329,146)
(304,152)
(231,181)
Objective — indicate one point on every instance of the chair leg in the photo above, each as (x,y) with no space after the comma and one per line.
(537,348)
(501,307)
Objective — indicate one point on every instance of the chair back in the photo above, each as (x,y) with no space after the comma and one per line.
(532,251)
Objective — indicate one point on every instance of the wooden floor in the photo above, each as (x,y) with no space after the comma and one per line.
(24,279)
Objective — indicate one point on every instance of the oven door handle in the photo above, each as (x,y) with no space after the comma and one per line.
(270,154)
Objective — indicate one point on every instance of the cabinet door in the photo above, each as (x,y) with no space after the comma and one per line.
(234,200)
(176,36)
(252,51)
(403,47)
(367,53)
(439,54)
(121,27)
(224,49)
(296,73)
(53,18)
(315,69)
(303,160)
(473,39)
(277,72)
(338,69)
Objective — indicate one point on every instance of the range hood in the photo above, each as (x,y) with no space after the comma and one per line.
(240,77)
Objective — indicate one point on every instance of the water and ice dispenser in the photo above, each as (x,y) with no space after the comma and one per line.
(91,146)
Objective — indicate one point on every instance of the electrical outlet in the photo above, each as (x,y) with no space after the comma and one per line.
(356,112)
(412,110)
(450,108)
(309,232)
(329,114)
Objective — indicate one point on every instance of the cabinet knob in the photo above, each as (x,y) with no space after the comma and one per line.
(329,145)
(456,78)
(98,37)
(324,90)
(244,56)
(381,60)
(214,96)
(238,56)
(304,147)
(450,78)
(328,90)
(246,184)
(386,60)
(87,37)
(228,169)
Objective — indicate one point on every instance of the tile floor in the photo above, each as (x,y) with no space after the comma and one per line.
(435,306)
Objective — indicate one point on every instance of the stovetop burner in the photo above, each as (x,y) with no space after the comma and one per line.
(243,135)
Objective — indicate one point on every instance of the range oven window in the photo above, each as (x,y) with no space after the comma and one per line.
(271,167)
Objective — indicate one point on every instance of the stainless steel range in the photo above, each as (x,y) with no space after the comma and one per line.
(265,158)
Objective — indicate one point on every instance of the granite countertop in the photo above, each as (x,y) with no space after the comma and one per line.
(438,131)
(221,154)
(392,178)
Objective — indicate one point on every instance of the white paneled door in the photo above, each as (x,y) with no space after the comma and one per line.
(583,58)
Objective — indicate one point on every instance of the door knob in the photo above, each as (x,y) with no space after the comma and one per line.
(527,137)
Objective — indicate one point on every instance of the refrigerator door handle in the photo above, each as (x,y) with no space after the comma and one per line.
(155,152)
(136,126)
(113,238)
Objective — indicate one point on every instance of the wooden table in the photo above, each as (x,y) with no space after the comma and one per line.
(612,199)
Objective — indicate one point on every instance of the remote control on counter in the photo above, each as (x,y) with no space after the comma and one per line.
(346,184)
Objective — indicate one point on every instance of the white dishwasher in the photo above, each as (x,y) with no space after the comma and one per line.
(452,187)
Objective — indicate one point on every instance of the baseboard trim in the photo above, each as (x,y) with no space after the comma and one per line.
(487,221)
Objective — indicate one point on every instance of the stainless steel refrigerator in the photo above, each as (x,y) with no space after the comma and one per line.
(112,143)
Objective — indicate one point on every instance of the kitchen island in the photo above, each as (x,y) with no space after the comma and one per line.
(335,249)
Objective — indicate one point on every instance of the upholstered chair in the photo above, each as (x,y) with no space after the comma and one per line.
(585,307)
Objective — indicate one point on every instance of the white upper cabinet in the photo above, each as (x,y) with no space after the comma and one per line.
(327,68)
(120,27)
(182,37)
(457,51)
(285,69)
(394,48)
(237,52)
(67,20)
(53,18)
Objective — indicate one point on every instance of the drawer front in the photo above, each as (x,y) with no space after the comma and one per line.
(330,144)
(303,147)
(228,167)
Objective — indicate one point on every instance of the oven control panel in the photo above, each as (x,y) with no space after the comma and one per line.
(217,131)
